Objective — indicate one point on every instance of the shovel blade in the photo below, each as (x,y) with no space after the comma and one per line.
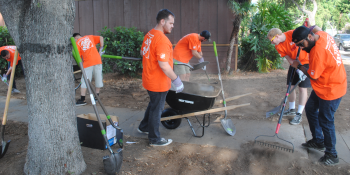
(200,65)
(227,124)
(113,162)
(3,148)
(273,111)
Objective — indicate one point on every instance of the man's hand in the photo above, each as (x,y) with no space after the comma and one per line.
(200,61)
(4,78)
(179,86)
(295,64)
(302,76)
(101,52)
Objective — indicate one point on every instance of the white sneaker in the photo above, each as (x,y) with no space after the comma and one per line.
(162,142)
(15,91)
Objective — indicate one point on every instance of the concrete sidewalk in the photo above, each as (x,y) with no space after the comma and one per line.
(247,130)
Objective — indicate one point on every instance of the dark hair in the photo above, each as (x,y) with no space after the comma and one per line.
(301,33)
(164,14)
(75,34)
(4,53)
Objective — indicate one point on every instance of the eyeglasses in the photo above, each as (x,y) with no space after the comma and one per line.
(273,38)
(301,44)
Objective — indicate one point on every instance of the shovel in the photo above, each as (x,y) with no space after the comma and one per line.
(5,145)
(279,108)
(194,67)
(4,81)
(113,162)
(227,124)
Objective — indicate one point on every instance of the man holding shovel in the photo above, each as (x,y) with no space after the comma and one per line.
(189,46)
(91,61)
(286,48)
(8,53)
(329,84)
(157,75)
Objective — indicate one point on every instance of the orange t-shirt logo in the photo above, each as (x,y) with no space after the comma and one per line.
(333,49)
(86,44)
(145,49)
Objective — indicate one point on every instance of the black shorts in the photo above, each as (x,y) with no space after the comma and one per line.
(305,84)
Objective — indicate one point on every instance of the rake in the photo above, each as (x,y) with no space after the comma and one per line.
(280,119)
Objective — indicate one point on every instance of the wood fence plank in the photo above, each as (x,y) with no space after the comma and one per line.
(174,7)
(100,15)
(222,22)
(115,13)
(131,13)
(76,19)
(86,20)
(189,17)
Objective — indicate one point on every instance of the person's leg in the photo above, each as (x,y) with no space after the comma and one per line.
(188,73)
(98,77)
(83,88)
(292,95)
(157,105)
(302,99)
(311,109)
(9,76)
(143,127)
(180,71)
(326,120)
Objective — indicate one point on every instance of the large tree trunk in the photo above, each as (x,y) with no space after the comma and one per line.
(236,24)
(41,30)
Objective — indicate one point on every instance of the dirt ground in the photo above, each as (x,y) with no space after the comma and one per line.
(119,91)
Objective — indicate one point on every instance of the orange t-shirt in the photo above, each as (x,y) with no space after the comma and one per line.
(327,67)
(88,51)
(156,47)
(12,50)
(183,49)
(289,48)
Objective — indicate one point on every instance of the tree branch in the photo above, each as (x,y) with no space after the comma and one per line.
(302,9)
(315,7)
(12,12)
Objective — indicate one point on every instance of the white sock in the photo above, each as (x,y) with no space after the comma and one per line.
(292,105)
(300,109)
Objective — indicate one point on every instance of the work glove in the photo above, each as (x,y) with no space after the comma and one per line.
(101,52)
(4,78)
(302,76)
(179,86)
(200,61)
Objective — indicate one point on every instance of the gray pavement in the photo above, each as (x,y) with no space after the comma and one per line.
(247,130)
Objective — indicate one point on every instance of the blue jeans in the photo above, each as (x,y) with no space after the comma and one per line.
(9,75)
(320,114)
(151,120)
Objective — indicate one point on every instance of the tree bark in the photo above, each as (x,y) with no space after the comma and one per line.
(234,33)
(310,14)
(41,30)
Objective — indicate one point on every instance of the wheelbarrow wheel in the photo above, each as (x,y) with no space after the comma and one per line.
(170,124)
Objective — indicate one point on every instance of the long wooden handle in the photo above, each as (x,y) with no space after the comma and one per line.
(4,118)
(204,112)
(232,98)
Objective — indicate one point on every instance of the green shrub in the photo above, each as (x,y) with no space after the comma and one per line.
(6,40)
(124,42)
(258,54)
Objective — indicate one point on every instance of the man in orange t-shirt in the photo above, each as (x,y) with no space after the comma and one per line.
(157,75)
(8,53)
(189,46)
(92,62)
(287,49)
(328,80)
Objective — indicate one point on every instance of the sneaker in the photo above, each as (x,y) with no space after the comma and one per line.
(142,132)
(15,91)
(289,112)
(296,120)
(312,144)
(162,142)
(329,159)
(80,103)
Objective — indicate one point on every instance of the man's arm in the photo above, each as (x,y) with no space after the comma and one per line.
(290,60)
(168,71)
(196,54)
(9,71)
(101,42)
(302,68)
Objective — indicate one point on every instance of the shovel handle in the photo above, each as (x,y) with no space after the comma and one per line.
(4,118)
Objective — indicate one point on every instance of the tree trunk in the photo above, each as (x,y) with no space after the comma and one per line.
(234,33)
(41,30)
(310,14)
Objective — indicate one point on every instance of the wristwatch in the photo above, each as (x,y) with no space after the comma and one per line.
(299,66)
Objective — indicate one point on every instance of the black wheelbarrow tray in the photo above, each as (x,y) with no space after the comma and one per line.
(196,99)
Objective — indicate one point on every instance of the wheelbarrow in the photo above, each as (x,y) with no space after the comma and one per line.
(196,99)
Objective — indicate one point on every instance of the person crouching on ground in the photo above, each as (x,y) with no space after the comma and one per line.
(189,46)
(92,62)
(328,80)
(8,53)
